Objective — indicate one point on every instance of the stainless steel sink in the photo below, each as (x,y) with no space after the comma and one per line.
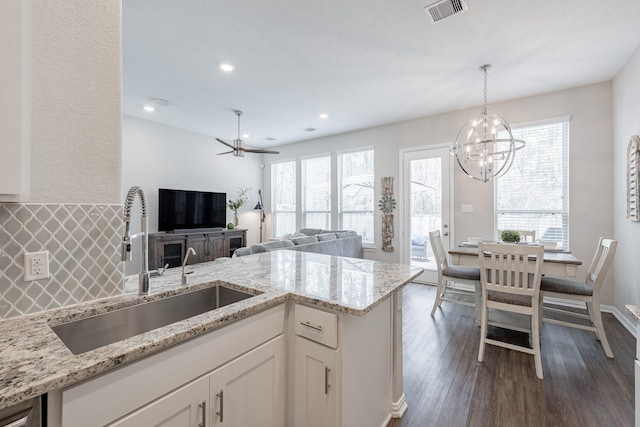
(93,332)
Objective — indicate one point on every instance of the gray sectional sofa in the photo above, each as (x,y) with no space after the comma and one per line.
(328,242)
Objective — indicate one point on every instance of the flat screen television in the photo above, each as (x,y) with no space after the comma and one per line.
(184,210)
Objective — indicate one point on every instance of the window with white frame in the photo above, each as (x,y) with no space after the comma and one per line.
(356,193)
(534,193)
(316,192)
(283,197)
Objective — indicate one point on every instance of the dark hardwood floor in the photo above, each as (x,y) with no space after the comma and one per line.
(445,385)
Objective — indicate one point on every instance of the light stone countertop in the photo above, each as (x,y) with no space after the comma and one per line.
(635,310)
(34,361)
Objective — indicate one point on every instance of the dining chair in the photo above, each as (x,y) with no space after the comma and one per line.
(525,235)
(510,277)
(450,275)
(587,292)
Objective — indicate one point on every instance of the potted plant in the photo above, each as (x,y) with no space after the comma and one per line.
(510,236)
(240,200)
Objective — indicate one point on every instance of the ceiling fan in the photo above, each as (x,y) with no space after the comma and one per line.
(237,148)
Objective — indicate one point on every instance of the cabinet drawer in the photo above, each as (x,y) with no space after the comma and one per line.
(317,325)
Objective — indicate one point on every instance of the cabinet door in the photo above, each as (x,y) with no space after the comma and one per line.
(184,407)
(15,99)
(249,391)
(316,389)
(216,247)
(199,244)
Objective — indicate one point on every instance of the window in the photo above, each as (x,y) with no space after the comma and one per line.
(533,194)
(283,199)
(356,203)
(316,192)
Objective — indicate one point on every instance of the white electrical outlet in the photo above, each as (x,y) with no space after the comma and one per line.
(36,265)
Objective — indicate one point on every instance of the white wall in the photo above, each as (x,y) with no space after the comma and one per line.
(626,107)
(590,163)
(75,147)
(158,156)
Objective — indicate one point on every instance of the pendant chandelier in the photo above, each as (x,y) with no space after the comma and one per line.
(479,151)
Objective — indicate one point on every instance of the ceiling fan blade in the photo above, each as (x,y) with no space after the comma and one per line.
(225,143)
(256,150)
(226,152)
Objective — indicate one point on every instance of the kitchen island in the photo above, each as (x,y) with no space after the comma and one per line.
(33,360)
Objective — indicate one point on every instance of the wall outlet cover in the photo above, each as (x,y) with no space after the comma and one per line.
(36,265)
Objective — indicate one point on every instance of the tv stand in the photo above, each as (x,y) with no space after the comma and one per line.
(196,230)
(209,244)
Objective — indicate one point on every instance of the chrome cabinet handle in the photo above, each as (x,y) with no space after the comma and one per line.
(326,379)
(312,326)
(203,407)
(220,413)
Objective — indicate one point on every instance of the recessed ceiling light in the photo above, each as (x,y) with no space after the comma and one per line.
(323,115)
(246,135)
(225,66)
(149,109)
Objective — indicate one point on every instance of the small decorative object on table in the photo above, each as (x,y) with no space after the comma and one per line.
(234,205)
(387,204)
(230,226)
(510,236)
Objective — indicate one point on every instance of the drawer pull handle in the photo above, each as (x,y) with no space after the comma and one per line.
(221,412)
(326,379)
(203,406)
(312,326)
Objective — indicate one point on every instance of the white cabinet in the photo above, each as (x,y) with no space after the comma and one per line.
(185,407)
(316,390)
(15,101)
(343,370)
(245,359)
(249,391)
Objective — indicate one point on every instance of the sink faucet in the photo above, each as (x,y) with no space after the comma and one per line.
(184,262)
(143,278)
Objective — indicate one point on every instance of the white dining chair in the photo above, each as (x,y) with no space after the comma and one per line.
(587,292)
(510,277)
(451,275)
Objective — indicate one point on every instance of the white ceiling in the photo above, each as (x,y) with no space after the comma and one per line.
(365,62)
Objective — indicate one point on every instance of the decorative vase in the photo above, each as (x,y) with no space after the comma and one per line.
(235,218)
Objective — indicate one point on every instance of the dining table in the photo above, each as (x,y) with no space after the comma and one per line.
(556,263)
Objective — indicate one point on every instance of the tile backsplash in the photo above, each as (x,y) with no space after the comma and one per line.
(83,242)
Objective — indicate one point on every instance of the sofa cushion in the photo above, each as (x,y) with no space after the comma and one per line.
(242,252)
(258,249)
(345,234)
(270,246)
(326,236)
(310,231)
(304,240)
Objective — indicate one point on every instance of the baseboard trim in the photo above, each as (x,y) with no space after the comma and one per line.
(624,321)
(386,421)
(399,408)
(630,326)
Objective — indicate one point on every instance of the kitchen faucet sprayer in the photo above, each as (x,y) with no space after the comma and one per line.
(143,278)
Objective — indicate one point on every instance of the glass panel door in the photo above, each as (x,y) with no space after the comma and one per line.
(426,206)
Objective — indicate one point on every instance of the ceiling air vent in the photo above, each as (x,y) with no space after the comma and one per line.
(310,129)
(445,8)
(269,138)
